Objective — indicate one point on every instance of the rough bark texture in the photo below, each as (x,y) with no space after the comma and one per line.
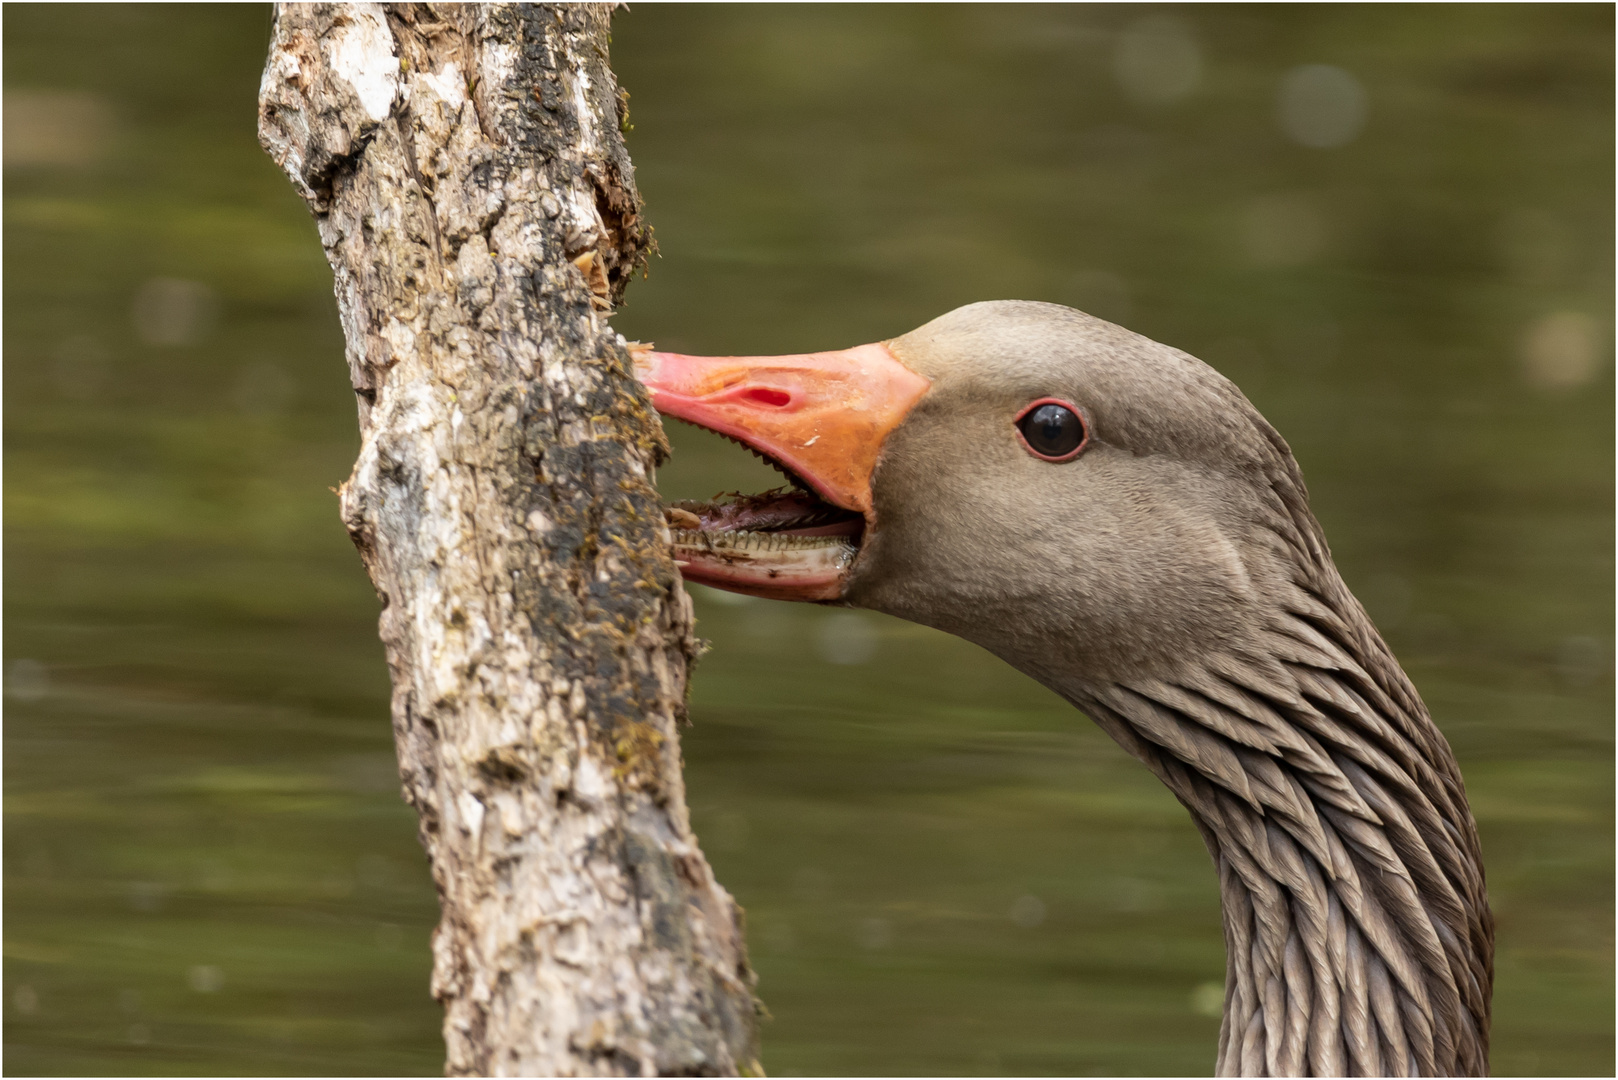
(478,208)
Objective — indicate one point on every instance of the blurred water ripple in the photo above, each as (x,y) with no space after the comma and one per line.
(1390,225)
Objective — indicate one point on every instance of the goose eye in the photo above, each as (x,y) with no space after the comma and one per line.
(1052,430)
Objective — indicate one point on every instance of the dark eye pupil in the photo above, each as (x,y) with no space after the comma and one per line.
(1053,430)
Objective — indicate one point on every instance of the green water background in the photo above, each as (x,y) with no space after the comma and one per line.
(946,870)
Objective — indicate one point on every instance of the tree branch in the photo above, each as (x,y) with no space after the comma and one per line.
(477,205)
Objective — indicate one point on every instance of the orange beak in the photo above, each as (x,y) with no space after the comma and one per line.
(822,415)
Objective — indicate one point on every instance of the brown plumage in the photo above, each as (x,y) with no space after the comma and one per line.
(1171,582)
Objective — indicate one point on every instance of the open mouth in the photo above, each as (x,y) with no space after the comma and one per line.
(820,418)
(787,543)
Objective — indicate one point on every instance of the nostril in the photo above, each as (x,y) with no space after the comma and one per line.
(765,395)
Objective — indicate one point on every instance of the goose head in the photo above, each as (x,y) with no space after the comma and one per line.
(1128,532)
(1112,517)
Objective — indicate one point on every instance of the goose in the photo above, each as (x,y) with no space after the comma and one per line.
(1112,517)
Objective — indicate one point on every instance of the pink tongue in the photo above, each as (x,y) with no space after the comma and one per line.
(851,527)
(771,511)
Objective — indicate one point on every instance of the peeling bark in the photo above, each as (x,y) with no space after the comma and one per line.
(479,211)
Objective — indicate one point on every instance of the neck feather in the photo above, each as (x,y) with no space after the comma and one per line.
(1358,934)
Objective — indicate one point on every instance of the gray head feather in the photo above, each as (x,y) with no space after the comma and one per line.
(1172,582)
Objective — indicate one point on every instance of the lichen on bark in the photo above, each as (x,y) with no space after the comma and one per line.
(465,167)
